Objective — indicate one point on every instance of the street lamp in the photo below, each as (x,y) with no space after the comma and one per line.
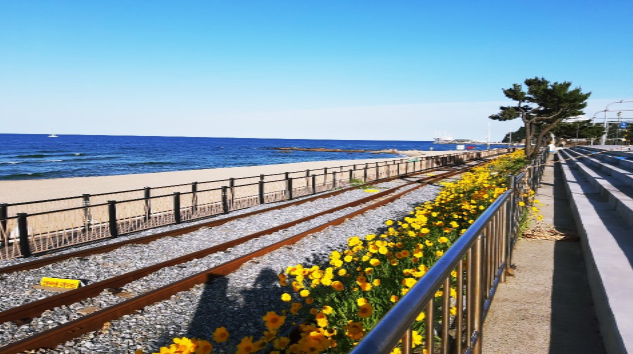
(617,132)
(606,127)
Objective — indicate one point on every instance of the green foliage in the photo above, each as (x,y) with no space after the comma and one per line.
(541,107)
(580,129)
(517,136)
(360,184)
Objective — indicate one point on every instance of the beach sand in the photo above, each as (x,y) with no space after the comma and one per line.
(29,190)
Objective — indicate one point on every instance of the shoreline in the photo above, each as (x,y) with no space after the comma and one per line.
(41,189)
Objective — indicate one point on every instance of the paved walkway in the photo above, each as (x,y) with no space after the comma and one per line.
(546,307)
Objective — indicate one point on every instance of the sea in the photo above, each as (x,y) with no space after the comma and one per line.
(37,156)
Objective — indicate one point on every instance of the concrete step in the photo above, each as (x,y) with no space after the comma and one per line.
(607,242)
(617,193)
(623,159)
(607,165)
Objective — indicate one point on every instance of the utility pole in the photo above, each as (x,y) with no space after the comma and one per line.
(488,135)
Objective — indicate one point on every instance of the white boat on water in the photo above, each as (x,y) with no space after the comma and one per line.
(442,137)
(53,136)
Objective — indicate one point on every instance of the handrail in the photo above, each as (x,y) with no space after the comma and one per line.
(393,326)
(480,257)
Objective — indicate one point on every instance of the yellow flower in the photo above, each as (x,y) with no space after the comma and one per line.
(421,316)
(416,338)
(338,286)
(246,346)
(365,311)
(220,335)
(439,253)
(327,310)
(442,239)
(354,330)
(286,297)
(304,293)
(393,298)
(321,320)
(374,262)
(409,282)
(185,344)
(281,343)
(273,320)
(376,282)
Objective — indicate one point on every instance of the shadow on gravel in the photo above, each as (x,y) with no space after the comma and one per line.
(574,326)
(238,305)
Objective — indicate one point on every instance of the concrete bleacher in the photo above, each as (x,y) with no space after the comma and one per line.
(600,189)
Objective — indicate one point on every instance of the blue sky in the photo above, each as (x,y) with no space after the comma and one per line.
(298,69)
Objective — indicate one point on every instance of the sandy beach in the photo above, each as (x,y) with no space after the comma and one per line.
(29,190)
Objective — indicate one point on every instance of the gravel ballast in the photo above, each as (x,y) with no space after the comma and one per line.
(137,256)
(237,301)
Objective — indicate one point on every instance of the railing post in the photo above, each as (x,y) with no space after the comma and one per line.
(289,186)
(86,204)
(308,173)
(365,174)
(479,296)
(177,216)
(261,191)
(398,168)
(334,180)
(148,202)
(114,230)
(225,200)
(232,186)
(4,213)
(407,341)
(194,197)
(23,230)
(509,226)
(314,184)
(351,176)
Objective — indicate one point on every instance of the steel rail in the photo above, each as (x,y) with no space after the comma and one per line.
(53,337)
(36,308)
(150,238)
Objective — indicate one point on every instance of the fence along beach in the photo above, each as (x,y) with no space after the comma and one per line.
(49,224)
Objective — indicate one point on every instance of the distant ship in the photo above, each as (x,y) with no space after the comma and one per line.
(53,136)
(442,137)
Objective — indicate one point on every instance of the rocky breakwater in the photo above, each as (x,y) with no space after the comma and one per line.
(290,149)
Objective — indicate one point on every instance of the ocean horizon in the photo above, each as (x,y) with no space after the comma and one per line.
(37,156)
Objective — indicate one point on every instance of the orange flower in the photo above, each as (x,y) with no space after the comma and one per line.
(273,320)
(220,335)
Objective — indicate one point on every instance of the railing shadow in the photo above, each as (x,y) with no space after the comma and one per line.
(573,323)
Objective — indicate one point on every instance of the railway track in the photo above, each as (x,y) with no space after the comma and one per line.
(95,321)
(87,249)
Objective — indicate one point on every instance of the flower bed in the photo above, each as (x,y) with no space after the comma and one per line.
(337,303)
